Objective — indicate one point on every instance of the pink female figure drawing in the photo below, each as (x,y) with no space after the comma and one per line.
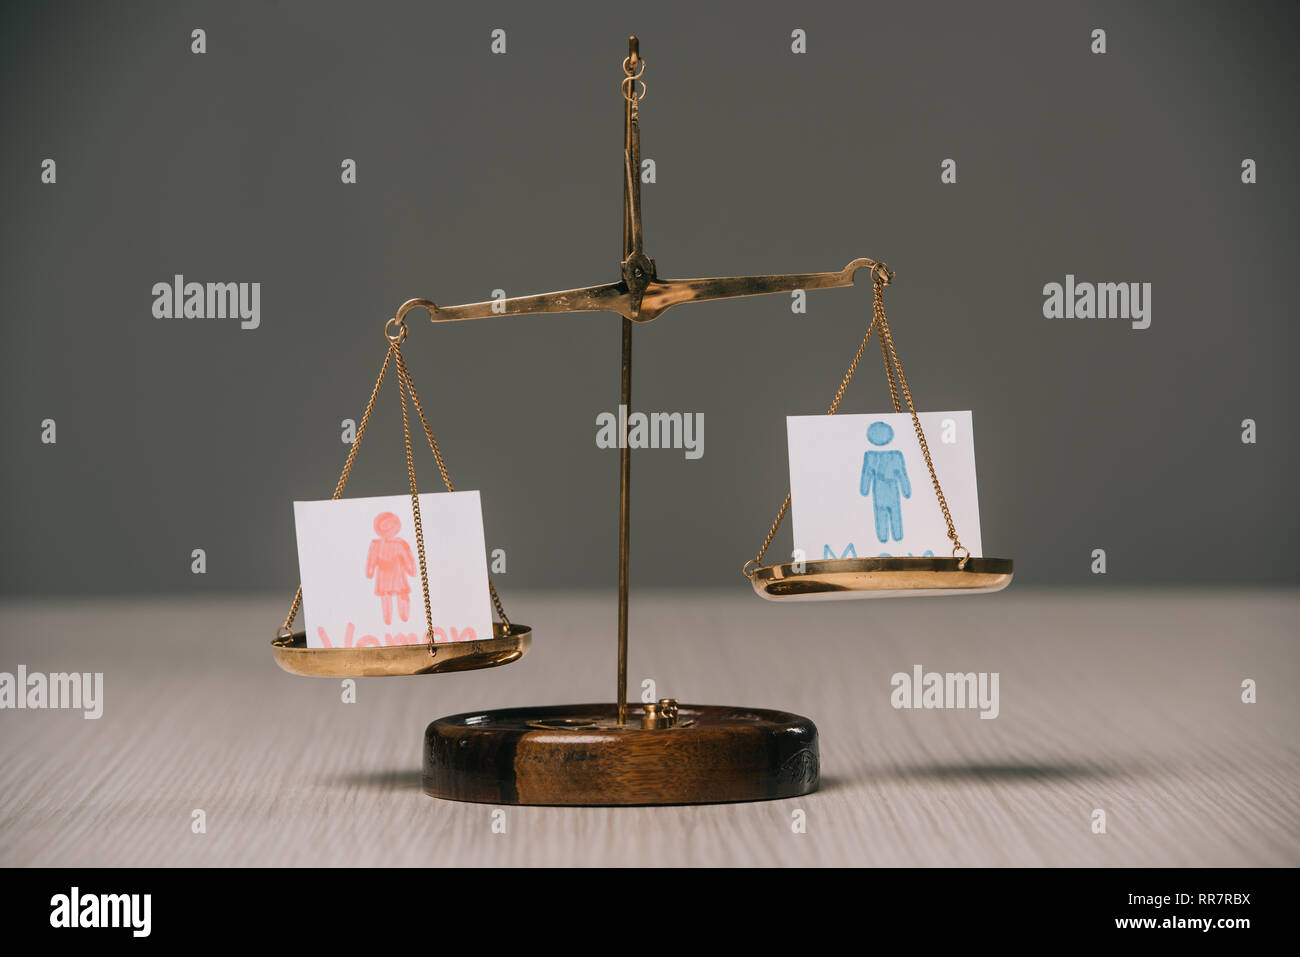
(388,563)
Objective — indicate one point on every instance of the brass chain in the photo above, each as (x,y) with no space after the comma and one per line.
(888,338)
(881,277)
(835,404)
(405,374)
(405,385)
(889,371)
(757,560)
(853,367)
(285,631)
(415,498)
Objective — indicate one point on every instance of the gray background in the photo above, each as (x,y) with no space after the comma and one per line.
(479,171)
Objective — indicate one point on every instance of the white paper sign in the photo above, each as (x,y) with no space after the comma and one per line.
(859,487)
(361,575)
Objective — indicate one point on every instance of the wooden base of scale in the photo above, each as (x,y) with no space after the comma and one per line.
(579,755)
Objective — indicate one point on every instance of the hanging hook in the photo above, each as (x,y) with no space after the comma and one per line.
(398,336)
(410,304)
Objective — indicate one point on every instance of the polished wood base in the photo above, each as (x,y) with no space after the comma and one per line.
(578,755)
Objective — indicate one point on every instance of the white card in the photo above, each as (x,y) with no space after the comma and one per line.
(361,574)
(859,487)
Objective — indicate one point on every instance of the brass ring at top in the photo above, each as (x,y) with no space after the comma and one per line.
(400,335)
(627,64)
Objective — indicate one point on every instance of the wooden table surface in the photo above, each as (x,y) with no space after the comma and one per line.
(1125,701)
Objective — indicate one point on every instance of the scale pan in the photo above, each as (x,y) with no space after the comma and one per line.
(505,646)
(840,578)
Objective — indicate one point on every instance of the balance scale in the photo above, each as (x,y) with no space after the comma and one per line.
(621,753)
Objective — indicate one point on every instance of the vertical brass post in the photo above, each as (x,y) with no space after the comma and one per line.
(624,515)
(625,399)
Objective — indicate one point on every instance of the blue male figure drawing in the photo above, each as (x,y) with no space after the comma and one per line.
(884,473)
